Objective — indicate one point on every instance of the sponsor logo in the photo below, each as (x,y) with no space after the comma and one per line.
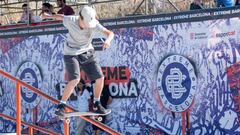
(98,43)
(198,36)
(123,90)
(117,80)
(30,74)
(223,34)
(176,82)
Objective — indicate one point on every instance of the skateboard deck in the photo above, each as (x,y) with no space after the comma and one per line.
(93,115)
(75,114)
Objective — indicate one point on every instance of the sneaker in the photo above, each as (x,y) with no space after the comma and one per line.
(98,108)
(60,109)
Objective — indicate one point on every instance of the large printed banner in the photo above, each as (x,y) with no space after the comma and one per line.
(234,83)
(151,71)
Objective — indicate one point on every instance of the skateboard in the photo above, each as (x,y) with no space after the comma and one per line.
(96,116)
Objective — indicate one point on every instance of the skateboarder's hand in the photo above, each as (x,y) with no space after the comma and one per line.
(106,45)
(45,15)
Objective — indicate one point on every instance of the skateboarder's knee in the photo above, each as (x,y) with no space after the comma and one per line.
(100,80)
(75,81)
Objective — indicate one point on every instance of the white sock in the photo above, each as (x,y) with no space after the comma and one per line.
(63,102)
(96,99)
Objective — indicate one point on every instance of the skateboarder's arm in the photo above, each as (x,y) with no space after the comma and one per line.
(109,38)
(56,16)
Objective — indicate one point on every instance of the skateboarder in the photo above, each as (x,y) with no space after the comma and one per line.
(79,53)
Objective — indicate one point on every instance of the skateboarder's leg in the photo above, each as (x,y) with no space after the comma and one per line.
(97,94)
(69,89)
(66,94)
(91,67)
(73,71)
(98,88)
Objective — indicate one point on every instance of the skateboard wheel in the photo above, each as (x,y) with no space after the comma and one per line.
(61,118)
(99,119)
(67,121)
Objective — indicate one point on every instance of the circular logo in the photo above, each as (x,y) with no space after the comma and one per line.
(176,81)
(30,74)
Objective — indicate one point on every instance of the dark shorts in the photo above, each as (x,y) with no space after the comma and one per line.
(87,62)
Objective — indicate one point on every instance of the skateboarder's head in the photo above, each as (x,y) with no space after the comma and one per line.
(88,17)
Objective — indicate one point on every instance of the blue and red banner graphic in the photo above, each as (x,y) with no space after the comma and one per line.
(153,70)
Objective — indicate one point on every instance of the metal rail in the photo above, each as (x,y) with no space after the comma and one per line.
(55,101)
(30,126)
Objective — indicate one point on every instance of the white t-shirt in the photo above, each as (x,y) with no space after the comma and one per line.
(78,40)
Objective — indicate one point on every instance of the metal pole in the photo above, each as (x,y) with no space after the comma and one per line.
(183,123)
(30,130)
(177,9)
(18,108)
(138,7)
(66,128)
(28,15)
(36,7)
(66,125)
